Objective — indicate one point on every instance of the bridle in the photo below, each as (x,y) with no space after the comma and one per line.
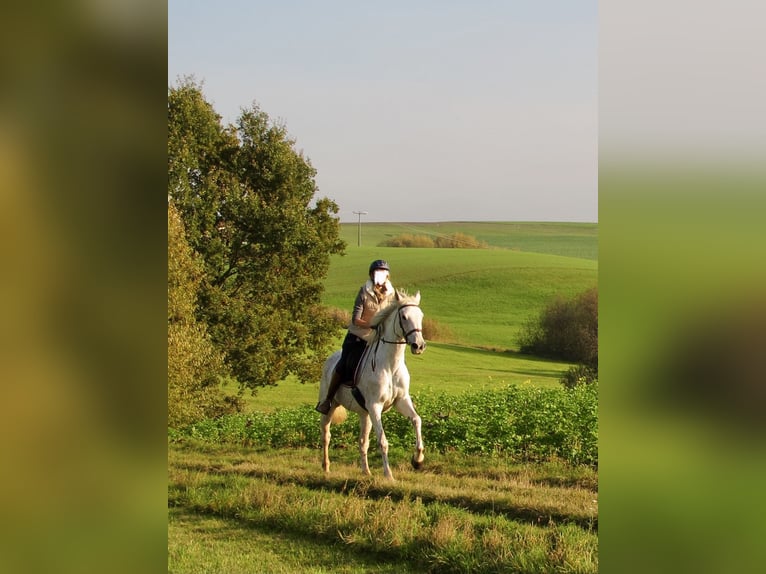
(401,324)
(381,339)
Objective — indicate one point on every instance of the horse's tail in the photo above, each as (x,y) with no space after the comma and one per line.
(339,415)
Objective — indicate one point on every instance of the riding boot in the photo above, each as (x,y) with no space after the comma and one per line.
(324,406)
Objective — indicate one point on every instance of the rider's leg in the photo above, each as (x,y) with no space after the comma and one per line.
(324,406)
(351,351)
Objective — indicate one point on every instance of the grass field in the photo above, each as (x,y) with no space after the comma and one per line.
(481,296)
(243,510)
(444,367)
(577,240)
(235,508)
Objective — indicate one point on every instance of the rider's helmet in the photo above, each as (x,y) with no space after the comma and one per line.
(379,264)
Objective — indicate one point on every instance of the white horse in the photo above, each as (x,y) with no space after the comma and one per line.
(383,381)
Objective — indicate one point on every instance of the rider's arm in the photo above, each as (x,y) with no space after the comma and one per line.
(356,316)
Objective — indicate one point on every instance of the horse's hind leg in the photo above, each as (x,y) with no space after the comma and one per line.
(325,431)
(406,407)
(365,425)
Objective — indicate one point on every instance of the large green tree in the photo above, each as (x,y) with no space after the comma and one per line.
(247,199)
(194,364)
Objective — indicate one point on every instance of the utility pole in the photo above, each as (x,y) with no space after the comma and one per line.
(359,236)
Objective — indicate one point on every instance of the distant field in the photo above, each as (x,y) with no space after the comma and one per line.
(568,239)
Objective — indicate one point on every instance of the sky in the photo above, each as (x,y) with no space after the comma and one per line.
(416,111)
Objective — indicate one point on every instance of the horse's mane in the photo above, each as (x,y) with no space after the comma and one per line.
(402,299)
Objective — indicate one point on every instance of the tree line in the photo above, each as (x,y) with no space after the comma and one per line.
(249,245)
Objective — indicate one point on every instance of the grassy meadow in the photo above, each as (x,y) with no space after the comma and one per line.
(576,240)
(235,506)
(480,297)
(243,510)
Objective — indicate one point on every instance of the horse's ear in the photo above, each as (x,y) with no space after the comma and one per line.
(417,298)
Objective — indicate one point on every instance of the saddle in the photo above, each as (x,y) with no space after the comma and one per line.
(351,383)
(354,379)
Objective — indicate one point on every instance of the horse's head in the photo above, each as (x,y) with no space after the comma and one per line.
(411,321)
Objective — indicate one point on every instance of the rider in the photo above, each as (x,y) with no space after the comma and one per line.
(372,296)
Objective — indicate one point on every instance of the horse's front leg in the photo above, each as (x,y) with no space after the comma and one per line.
(406,407)
(325,431)
(376,417)
(365,425)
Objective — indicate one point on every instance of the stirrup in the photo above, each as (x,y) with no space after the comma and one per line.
(321,409)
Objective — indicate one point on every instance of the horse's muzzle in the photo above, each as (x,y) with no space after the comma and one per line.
(417,349)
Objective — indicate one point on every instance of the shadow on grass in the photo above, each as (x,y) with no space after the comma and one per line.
(371,488)
(293,549)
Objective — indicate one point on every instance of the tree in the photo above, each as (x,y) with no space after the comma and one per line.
(245,196)
(194,365)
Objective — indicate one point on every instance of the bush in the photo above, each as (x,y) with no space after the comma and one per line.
(408,240)
(457,240)
(568,330)
(579,375)
(435,331)
(565,329)
(522,422)
(454,240)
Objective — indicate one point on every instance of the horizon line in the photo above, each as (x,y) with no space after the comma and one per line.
(355,222)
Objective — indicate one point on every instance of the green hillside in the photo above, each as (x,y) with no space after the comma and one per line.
(567,239)
(482,296)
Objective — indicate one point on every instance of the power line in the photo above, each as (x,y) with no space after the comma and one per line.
(359,235)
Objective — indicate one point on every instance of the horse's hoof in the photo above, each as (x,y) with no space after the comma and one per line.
(415,464)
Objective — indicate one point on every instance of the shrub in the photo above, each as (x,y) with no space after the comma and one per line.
(565,329)
(454,240)
(525,423)
(579,375)
(435,331)
(457,240)
(408,240)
